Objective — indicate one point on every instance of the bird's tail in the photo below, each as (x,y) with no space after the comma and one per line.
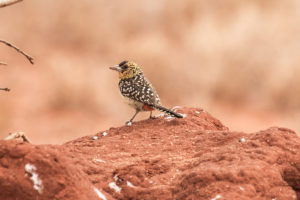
(167,111)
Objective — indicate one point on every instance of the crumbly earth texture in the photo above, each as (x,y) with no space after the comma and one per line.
(196,157)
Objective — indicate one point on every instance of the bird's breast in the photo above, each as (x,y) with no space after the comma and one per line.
(135,104)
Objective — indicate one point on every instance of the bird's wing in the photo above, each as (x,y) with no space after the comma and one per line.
(141,91)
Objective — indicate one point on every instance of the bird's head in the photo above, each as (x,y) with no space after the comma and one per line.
(127,69)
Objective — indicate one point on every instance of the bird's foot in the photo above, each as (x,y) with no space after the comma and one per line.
(152,117)
(128,123)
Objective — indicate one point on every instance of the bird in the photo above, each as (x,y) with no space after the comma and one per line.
(138,92)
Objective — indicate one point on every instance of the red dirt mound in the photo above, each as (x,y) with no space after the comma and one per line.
(191,158)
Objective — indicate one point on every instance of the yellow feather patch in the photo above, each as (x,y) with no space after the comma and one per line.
(132,70)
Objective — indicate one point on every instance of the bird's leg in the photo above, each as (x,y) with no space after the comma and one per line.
(130,121)
(151,117)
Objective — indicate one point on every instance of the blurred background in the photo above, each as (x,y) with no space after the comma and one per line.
(238,60)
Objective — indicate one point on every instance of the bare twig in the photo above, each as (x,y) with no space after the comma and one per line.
(1,63)
(13,136)
(4,3)
(5,89)
(18,50)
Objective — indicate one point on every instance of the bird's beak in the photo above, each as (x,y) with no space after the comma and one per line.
(116,68)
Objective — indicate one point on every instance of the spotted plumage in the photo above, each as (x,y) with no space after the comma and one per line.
(137,91)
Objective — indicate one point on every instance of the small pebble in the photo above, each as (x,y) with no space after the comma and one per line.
(95,137)
(130,184)
(104,133)
(176,107)
(217,197)
(98,160)
(114,186)
(99,194)
(169,117)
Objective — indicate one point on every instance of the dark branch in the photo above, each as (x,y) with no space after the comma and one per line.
(4,3)
(18,50)
(5,89)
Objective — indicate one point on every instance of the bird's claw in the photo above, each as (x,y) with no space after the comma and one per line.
(128,123)
(152,117)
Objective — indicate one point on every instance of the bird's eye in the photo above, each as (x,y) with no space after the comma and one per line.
(125,67)
(123,63)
